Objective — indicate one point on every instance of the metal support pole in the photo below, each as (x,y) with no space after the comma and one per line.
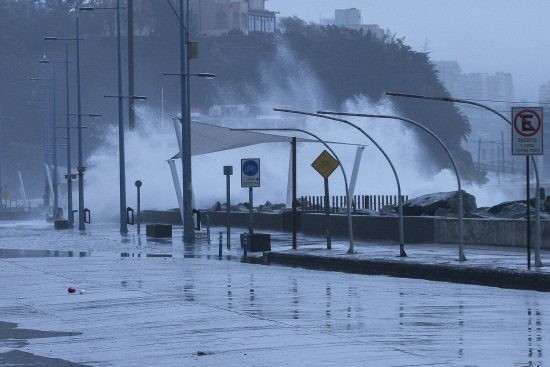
(294,200)
(122,161)
(327,215)
(228,171)
(70,214)
(528,202)
(188,230)
(81,168)
(131,112)
(220,247)
(54,149)
(250,210)
(138,186)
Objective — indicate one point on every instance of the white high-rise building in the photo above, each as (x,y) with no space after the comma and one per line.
(544,94)
(351,18)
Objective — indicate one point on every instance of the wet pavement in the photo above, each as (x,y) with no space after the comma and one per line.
(160,303)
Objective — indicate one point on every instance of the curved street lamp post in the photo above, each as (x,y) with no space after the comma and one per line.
(402,252)
(538,240)
(461,256)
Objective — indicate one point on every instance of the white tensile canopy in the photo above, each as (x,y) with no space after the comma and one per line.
(206,138)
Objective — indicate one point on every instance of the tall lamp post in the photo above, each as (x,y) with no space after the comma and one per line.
(120,97)
(81,169)
(55,183)
(183,18)
(538,261)
(188,228)
(461,256)
(187,213)
(69,176)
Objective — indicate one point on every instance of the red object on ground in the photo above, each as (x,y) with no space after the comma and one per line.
(71,290)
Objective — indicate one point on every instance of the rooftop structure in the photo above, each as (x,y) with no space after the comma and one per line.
(216,17)
(351,18)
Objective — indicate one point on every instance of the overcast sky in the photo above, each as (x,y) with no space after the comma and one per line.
(482,35)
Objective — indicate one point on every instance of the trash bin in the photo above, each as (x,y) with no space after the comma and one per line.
(256,242)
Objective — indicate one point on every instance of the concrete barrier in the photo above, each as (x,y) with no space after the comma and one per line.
(490,232)
(494,277)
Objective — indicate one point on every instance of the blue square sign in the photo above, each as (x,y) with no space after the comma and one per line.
(250,172)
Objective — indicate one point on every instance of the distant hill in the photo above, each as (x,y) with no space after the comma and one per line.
(302,65)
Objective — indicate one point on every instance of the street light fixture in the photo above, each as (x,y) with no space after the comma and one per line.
(81,169)
(461,256)
(538,261)
(121,153)
(55,182)
(402,252)
(188,230)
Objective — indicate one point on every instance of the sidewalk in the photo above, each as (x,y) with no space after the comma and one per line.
(503,267)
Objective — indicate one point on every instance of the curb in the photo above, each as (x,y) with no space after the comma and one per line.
(492,277)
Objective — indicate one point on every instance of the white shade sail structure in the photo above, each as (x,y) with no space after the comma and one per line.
(207,138)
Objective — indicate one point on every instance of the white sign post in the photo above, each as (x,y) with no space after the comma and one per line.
(527,140)
(250,177)
(527,131)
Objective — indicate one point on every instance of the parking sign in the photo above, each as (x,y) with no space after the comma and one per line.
(527,131)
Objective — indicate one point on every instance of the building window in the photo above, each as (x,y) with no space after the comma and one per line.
(258,23)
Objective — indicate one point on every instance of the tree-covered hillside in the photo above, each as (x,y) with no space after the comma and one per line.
(344,64)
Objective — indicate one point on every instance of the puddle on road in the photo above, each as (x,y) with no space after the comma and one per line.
(18,253)
(20,358)
(13,337)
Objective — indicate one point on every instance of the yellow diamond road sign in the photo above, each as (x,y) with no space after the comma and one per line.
(325,164)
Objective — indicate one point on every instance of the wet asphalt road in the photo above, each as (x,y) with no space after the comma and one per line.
(171,310)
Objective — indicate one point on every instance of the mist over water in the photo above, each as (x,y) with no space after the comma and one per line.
(150,146)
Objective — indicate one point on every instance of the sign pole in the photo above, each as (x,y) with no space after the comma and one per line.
(327,215)
(250,177)
(294,200)
(527,139)
(250,211)
(528,214)
(138,186)
(325,164)
(228,171)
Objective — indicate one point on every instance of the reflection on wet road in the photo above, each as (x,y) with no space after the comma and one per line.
(183,306)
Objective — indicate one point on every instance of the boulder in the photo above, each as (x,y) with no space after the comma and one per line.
(511,210)
(264,209)
(439,203)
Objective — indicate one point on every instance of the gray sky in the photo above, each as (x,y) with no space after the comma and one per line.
(482,35)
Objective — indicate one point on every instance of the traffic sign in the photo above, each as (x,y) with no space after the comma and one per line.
(325,164)
(527,131)
(250,172)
